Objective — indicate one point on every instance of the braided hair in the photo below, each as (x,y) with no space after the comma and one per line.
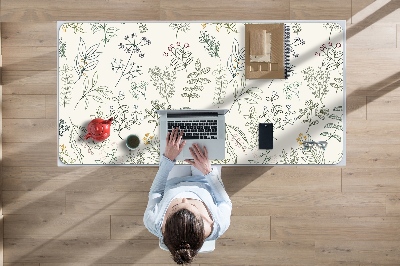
(184,235)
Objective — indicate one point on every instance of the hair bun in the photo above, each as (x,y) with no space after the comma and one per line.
(183,255)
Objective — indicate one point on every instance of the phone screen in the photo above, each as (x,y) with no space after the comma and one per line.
(265,136)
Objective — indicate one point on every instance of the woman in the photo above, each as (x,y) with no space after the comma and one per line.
(186,209)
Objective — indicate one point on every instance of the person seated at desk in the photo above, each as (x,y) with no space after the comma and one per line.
(186,209)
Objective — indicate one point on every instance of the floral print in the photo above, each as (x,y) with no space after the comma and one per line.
(129,70)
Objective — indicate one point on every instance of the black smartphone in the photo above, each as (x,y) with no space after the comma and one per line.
(265,136)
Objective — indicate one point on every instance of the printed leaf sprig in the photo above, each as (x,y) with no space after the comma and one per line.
(296,28)
(236,61)
(332,26)
(138,90)
(196,81)
(164,81)
(107,31)
(278,114)
(125,116)
(181,57)
(62,127)
(252,127)
(291,158)
(77,27)
(221,85)
(236,138)
(130,70)
(183,27)
(338,84)
(62,48)
(93,92)
(249,95)
(211,43)
(133,45)
(292,89)
(230,27)
(333,55)
(317,81)
(313,155)
(86,59)
(336,126)
(143,28)
(66,88)
(151,113)
(76,133)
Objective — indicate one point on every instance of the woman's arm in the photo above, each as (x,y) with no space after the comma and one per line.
(173,148)
(156,194)
(223,202)
(222,199)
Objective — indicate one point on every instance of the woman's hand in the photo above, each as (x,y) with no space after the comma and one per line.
(200,159)
(174,144)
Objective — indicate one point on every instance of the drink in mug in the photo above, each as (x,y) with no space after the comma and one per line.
(132,141)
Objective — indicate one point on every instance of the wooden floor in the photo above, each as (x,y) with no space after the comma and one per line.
(281,215)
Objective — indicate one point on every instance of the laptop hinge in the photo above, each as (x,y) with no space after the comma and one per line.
(188,114)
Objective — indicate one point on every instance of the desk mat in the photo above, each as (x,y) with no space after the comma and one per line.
(129,70)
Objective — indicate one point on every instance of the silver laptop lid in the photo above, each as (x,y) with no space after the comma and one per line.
(192,111)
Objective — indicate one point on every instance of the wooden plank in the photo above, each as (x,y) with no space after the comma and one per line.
(335,228)
(358,6)
(373,132)
(356,108)
(107,203)
(286,180)
(24,106)
(29,34)
(29,82)
(51,226)
(114,264)
(42,10)
(228,252)
(41,62)
(29,130)
(240,252)
(383,108)
(129,227)
(360,155)
(324,9)
(393,204)
(364,252)
(249,227)
(1,237)
(20,51)
(381,180)
(224,10)
(45,178)
(368,12)
(364,80)
(384,36)
(1,155)
(51,106)
(33,202)
(58,178)
(21,264)
(309,204)
(43,154)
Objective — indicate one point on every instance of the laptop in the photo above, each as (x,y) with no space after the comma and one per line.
(204,127)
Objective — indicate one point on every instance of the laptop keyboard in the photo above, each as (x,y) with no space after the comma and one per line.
(195,129)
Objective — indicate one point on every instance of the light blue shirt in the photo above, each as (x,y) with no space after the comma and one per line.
(209,188)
